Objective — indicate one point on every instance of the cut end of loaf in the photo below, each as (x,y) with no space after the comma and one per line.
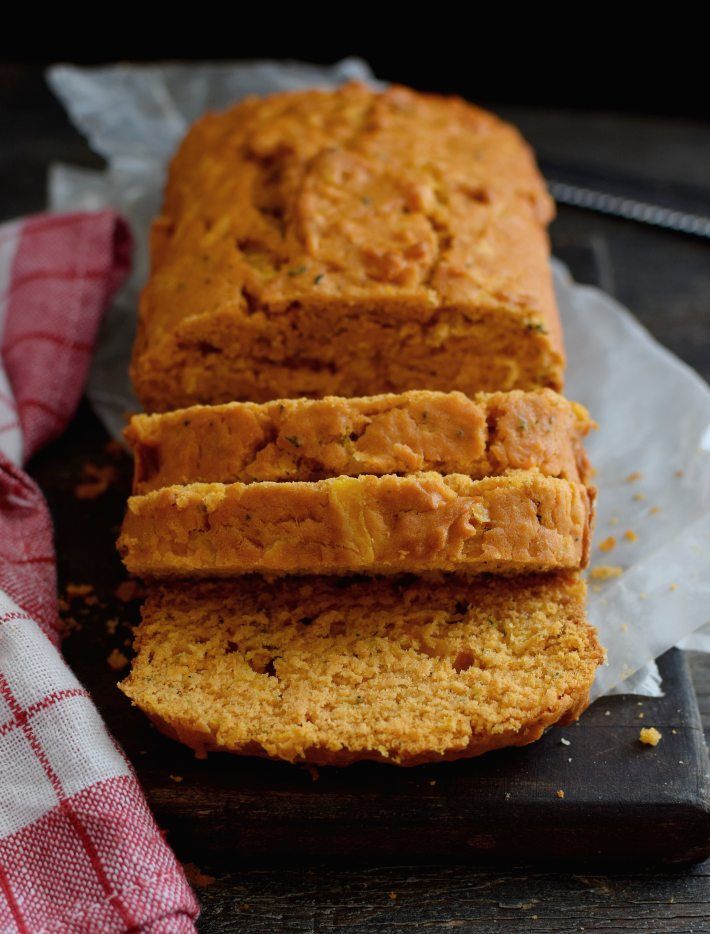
(520,522)
(331,671)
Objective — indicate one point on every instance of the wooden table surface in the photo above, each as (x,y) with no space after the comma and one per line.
(665,279)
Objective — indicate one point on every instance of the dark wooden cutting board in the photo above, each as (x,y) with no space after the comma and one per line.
(622,800)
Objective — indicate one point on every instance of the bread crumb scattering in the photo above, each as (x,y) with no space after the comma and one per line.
(560,793)
(117,660)
(95,480)
(650,736)
(630,536)
(633,477)
(608,544)
(330,671)
(195,877)
(604,572)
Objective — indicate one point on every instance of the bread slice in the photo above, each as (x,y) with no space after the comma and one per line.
(333,670)
(520,522)
(339,242)
(307,439)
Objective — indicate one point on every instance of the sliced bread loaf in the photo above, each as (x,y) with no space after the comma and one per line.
(306,439)
(330,671)
(519,522)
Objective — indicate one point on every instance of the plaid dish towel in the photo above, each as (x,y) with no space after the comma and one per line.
(79,850)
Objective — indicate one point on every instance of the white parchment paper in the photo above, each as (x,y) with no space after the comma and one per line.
(653,410)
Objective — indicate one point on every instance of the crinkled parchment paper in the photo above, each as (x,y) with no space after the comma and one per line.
(653,410)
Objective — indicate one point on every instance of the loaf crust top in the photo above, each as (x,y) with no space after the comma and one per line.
(408,202)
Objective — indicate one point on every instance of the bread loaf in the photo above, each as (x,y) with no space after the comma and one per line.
(348,242)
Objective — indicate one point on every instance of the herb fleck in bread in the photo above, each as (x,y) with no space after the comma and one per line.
(520,522)
(311,439)
(331,671)
(344,242)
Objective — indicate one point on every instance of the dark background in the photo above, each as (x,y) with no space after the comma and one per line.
(654,61)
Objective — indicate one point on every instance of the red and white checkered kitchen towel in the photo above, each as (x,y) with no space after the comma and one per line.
(79,850)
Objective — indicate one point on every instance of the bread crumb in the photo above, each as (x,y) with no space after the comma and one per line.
(71,624)
(654,510)
(565,742)
(128,590)
(614,520)
(607,713)
(674,732)
(78,590)
(631,536)
(560,793)
(111,626)
(673,587)
(432,782)
(200,880)
(117,660)
(643,596)
(176,778)
(650,736)
(680,473)
(312,771)
(603,572)
(639,497)
(608,544)
(633,477)
(95,480)
(641,716)
(392,895)
(624,627)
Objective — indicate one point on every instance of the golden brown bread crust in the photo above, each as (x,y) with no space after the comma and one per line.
(344,242)
(332,671)
(311,439)
(518,523)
